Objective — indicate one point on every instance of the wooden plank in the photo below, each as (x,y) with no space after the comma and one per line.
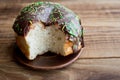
(80,1)
(82,69)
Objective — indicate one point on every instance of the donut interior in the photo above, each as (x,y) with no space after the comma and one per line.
(41,39)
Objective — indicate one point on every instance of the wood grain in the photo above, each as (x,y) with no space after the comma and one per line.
(100,59)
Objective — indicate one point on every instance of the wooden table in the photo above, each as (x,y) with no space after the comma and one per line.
(100,59)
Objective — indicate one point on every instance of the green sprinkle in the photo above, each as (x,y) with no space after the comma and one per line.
(52,18)
(29,19)
(22,17)
(38,3)
(61,16)
(71,29)
(31,8)
(18,28)
(24,9)
(17,25)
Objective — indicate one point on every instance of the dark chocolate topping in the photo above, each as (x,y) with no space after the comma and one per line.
(49,14)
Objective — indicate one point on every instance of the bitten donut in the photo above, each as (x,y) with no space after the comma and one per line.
(47,26)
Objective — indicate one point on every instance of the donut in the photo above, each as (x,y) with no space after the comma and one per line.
(48,26)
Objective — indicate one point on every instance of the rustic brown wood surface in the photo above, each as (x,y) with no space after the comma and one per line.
(100,59)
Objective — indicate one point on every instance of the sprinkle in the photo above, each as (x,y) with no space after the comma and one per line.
(38,3)
(21,30)
(17,25)
(61,16)
(18,28)
(24,9)
(29,19)
(22,17)
(30,22)
(63,27)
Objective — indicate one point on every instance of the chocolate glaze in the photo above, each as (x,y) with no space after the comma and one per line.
(49,14)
